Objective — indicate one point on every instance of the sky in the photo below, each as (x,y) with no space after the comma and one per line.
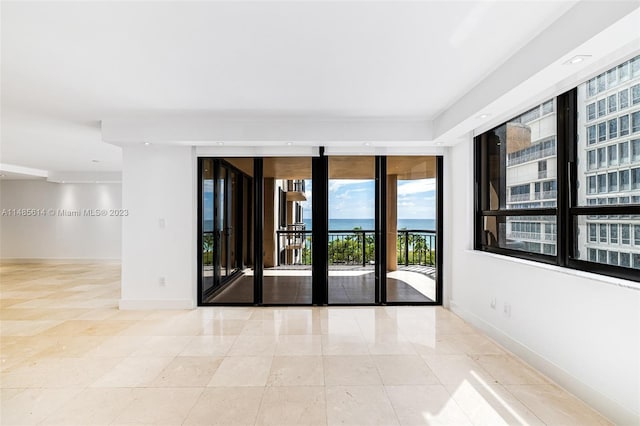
(355,198)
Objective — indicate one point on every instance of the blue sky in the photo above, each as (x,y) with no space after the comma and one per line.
(354,199)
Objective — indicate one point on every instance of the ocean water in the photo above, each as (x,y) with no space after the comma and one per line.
(366,224)
(369,224)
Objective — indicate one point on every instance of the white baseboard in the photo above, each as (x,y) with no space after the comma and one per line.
(135,305)
(56,260)
(601,403)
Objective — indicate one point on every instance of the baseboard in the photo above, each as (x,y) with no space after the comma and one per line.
(57,260)
(138,305)
(599,402)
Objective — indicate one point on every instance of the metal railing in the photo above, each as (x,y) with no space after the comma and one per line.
(520,197)
(416,247)
(355,247)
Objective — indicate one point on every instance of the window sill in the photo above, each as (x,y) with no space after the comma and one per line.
(618,282)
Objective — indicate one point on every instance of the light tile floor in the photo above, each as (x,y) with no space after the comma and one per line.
(70,357)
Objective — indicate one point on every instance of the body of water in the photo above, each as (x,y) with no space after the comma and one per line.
(366,224)
(369,224)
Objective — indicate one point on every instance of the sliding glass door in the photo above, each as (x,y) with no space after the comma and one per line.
(372,234)
(351,250)
(225,234)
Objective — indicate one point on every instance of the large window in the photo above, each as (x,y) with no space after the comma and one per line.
(518,159)
(578,205)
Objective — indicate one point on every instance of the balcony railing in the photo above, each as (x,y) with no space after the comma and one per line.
(519,197)
(356,247)
(545,195)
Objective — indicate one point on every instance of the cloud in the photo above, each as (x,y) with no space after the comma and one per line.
(412,187)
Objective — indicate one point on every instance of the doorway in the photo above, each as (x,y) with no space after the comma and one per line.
(321,230)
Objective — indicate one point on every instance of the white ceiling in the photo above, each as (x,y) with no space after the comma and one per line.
(68,66)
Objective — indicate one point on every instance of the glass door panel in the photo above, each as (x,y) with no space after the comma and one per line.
(411,229)
(287,231)
(226,239)
(207,237)
(351,247)
(221,211)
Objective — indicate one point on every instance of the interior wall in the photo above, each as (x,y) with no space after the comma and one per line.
(62,227)
(159,189)
(581,330)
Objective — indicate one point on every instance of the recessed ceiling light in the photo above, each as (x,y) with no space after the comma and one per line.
(147,143)
(577,59)
(438,143)
(62,181)
(482,116)
(367,144)
(220,143)
(289,143)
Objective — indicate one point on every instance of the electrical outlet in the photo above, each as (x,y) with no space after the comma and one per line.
(507,310)
(162,282)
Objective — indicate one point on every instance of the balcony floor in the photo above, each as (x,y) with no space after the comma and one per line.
(347,285)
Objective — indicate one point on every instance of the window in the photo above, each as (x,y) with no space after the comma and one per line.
(542,169)
(591,86)
(588,194)
(613,233)
(613,182)
(602,131)
(507,187)
(603,232)
(612,77)
(624,180)
(591,158)
(602,157)
(625,259)
(623,72)
(613,103)
(602,256)
(602,83)
(602,107)
(635,150)
(623,98)
(635,94)
(624,152)
(591,134)
(625,233)
(624,125)
(612,153)
(635,122)
(613,128)
(635,178)
(602,183)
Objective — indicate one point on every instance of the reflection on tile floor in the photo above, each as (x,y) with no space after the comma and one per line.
(70,357)
(284,287)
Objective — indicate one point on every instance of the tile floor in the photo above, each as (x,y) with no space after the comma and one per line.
(70,357)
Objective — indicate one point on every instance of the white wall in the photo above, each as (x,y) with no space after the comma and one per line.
(582,330)
(159,236)
(54,236)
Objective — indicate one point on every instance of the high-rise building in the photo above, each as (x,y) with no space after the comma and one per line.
(609,164)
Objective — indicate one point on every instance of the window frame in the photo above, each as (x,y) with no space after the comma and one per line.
(567,211)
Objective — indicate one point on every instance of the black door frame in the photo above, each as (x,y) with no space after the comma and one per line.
(320,229)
